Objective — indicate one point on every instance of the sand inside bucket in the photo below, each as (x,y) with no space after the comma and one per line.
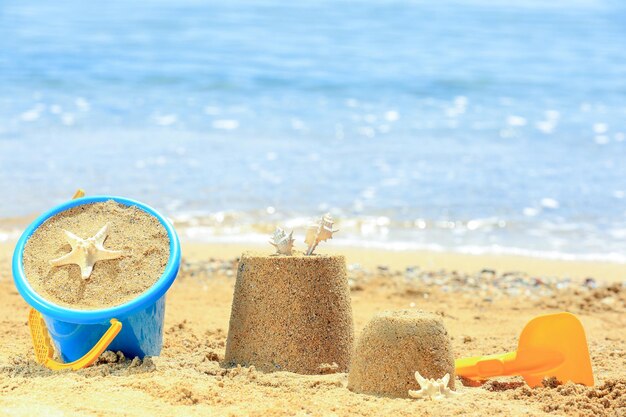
(140,235)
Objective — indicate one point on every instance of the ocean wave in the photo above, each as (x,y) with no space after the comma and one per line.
(208,236)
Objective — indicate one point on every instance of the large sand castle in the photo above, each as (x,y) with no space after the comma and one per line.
(291,313)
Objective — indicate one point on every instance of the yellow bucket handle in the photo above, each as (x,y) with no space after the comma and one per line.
(78,194)
(44,351)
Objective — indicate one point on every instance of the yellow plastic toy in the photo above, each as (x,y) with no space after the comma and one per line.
(552,345)
(44,351)
(78,194)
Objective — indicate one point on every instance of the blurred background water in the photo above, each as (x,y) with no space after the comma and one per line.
(479,126)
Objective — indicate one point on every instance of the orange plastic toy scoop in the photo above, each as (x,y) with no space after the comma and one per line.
(553,345)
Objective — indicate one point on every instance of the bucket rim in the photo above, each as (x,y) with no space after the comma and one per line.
(143,300)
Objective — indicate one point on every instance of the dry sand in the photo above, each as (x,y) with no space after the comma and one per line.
(142,238)
(188,379)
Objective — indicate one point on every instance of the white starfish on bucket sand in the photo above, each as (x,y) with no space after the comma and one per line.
(436,389)
(86,252)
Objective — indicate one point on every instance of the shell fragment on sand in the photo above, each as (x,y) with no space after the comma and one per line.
(86,252)
(282,241)
(319,232)
(436,389)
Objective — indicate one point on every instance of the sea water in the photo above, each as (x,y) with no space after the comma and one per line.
(478,126)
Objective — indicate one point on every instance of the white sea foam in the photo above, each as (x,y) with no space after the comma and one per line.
(549,203)
(601,139)
(82,104)
(546,126)
(530,211)
(33,114)
(297,124)
(212,110)
(30,115)
(165,120)
(392,115)
(517,121)
(600,128)
(209,235)
(67,119)
(225,124)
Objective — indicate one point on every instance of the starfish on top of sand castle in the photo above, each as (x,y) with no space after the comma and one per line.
(436,389)
(86,252)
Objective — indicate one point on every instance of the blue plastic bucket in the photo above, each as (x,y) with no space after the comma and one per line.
(75,332)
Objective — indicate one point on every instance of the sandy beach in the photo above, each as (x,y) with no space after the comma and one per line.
(484,302)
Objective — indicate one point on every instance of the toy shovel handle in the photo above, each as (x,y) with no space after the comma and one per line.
(480,367)
(525,361)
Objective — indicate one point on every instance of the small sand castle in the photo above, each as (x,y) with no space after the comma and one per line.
(86,252)
(291,312)
(397,346)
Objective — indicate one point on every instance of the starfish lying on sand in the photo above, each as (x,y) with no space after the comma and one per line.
(432,388)
(86,252)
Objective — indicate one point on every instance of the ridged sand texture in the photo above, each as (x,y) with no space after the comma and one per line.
(394,345)
(291,313)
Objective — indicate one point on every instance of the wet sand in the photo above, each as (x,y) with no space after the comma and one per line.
(484,302)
